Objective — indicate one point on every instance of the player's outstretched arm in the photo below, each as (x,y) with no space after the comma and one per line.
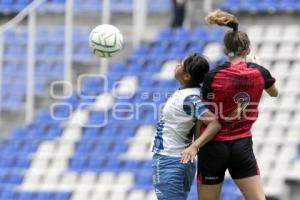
(213,127)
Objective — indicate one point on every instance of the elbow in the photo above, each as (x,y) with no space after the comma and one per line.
(274,94)
(272,91)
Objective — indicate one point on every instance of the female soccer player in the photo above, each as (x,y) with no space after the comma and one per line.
(234,91)
(172,179)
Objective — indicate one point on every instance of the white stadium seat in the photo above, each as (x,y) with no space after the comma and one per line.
(68,182)
(273,33)
(267,51)
(151,196)
(107,178)
(80,195)
(291,33)
(118,196)
(103,102)
(145,133)
(286,51)
(166,68)
(127,86)
(295,72)
(255,32)
(136,194)
(213,51)
(125,178)
(96,195)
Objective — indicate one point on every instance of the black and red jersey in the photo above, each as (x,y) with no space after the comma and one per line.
(233,92)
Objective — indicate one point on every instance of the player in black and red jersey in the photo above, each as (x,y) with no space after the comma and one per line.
(233,91)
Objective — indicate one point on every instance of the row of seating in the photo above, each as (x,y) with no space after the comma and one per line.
(57,6)
(10,195)
(258,6)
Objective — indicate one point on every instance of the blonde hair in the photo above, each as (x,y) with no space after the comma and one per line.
(236,42)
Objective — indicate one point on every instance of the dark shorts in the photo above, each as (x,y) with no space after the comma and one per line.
(216,157)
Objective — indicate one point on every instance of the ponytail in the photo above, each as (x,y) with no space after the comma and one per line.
(222,18)
(236,42)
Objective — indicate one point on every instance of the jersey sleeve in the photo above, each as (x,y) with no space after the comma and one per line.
(269,80)
(193,106)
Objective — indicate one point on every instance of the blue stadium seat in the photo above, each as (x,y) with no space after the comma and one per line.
(141,51)
(270,6)
(131,165)
(26,196)
(231,5)
(7,195)
(57,6)
(43,117)
(120,148)
(113,165)
(20,4)
(14,179)
(181,34)
(96,162)
(58,1)
(159,6)
(78,164)
(84,147)
(62,196)
(102,148)
(44,195)
(165,34)
(143,180)
(6,6)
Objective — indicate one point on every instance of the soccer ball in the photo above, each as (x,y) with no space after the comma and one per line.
(105,41)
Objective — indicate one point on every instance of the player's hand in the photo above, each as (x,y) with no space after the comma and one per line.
(257,60)
(189,154)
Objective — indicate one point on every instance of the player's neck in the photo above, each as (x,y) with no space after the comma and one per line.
(237,60)
(183,86)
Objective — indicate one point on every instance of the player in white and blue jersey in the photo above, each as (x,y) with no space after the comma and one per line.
(183,111)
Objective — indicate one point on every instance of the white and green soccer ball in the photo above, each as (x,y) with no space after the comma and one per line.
(105,41)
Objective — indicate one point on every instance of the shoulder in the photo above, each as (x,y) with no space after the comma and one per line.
(191,101)
(194,106)
(192,96)
(254,65)
(268,78)
(257,66)
(219,68)
(265,72)
(190,92)
(212,73)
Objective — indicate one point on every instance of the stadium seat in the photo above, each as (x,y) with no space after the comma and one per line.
(57,6)
(253,6)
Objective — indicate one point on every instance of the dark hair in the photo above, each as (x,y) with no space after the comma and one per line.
(235,41)
(197,66)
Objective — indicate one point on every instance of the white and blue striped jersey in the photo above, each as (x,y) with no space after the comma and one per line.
(175,129)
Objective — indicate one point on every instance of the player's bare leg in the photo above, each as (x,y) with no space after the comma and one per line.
(251,188)
(209,192)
